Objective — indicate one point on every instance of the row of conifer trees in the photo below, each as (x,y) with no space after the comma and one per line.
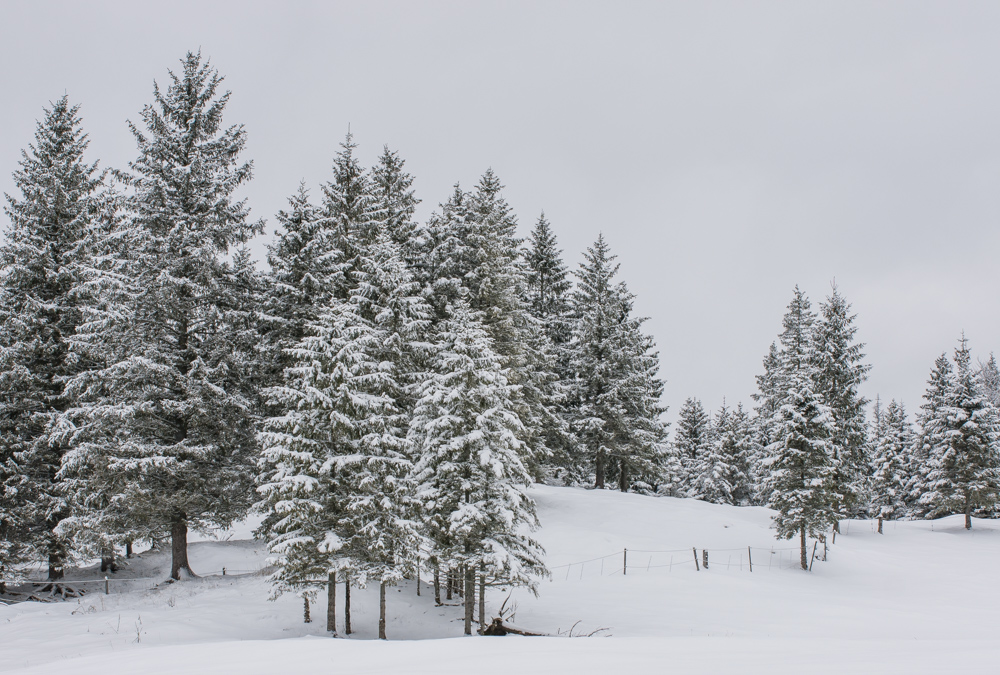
(809,451)
(384,393)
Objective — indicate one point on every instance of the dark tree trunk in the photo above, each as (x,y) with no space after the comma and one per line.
(381,611)
(623,477)
(836,526)
(470,598)
(449,583)
(331,604)
(599,471)
(178,548)
(880,524)
(482,599)
(347,605)
(437,585)
(128,548)
(968,517)
(55,562)
(803,554)
(306,616)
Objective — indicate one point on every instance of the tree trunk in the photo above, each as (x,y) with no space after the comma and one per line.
(804,554)
(482,598)
(470,598)
(179,548)
(623,477)
(599,471)
(836,526)
(306,616)
(128,548)
(381,611)
(347,605)
(331,604)
(55,562)
(880,524)
(449,583)
(968,517)
(437,585)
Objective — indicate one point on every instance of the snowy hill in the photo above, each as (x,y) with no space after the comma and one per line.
(920,598)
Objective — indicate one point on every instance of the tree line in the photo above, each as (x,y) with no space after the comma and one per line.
(384,394)
(809,450)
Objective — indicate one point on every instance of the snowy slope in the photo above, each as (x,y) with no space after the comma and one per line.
(920,598)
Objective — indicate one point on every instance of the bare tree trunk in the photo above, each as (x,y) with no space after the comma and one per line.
(449,583)
(128,548)
(599,470)
(331,604)
(968,516)
(55,562)
(623,477)
(836,526)
(804,556)
(880,524)
(347,604)
(470,598)
(178,547)
(437,585)
(306,616)
(482,598)
(381,611)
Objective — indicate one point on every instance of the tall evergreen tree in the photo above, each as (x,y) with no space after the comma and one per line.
(169,412)
(548,287)
(692,443)
(473,482)
(395,202)
(718,476)
(801,484)
(965,473)
(927,437)
(840,371)
(350,208)
(44,266)
(616,389)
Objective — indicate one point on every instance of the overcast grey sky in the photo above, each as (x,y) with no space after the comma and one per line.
(727,150)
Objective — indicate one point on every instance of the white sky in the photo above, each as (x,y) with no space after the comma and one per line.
(727,150)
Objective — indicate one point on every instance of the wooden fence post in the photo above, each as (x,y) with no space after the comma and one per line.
(107,586)
(624,562)
(695,551)
(750,558)
(704,557)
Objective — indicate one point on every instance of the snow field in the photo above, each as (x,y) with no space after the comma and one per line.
(921,598)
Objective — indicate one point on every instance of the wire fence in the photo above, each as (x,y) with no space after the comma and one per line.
(631,561)
(103,584)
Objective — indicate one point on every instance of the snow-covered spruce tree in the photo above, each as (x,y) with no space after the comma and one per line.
(988,380)
(336,463)
(893,440)
(170,410)
(472,480)
(965,473)
(840,371)
(927,436)
(801,484)
(745,456)
(307,270)
(395,202)
(44,264)
(720,475)
(615,393)
(350,209)
(469,251)
(767,399)
(692,442)
(548,289)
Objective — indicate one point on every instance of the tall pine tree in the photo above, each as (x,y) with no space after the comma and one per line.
(46,263)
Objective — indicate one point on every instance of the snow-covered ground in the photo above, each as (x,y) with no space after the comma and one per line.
(921,598)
